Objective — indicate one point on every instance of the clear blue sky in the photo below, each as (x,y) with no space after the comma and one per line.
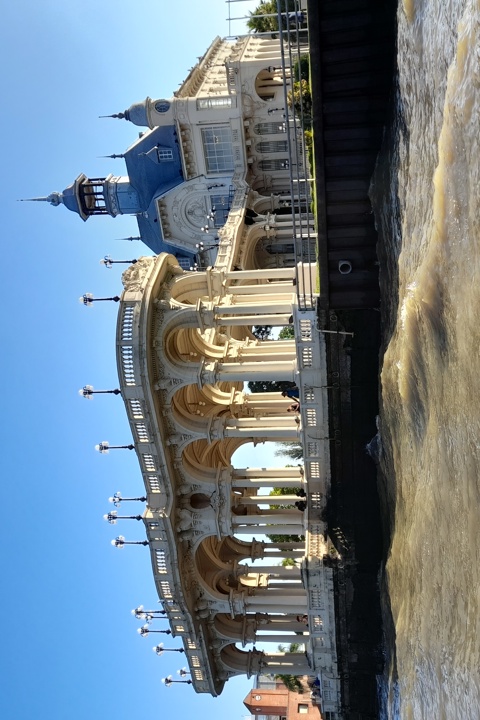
(69,647)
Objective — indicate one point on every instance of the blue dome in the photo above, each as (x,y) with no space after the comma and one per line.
(137,113)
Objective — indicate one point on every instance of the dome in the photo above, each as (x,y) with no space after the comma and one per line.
(137,113)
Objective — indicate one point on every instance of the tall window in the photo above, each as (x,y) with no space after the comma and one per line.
(272,146)
(215,102)
(218,150)
(273,164)
(270,128)
(221,207)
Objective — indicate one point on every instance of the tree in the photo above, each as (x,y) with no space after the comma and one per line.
(291,682)
(269,385)
(267,24)
(299,99)
(285,538)
(293,450)
(287,333)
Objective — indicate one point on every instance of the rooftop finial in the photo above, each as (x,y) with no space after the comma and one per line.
(54,198)
(120,116)
(114,157)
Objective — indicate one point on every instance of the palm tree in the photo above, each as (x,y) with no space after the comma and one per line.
(267,24)
(293,450)
(291,682)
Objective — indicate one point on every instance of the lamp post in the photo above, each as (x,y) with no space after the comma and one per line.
(104,447)
(170,681)
(159,649)
(117,498)
(201,247)
(141,614)
(120,542)
(88,392)
(183,672)
(108,262)
(87,299)
(144,631)
(112,517)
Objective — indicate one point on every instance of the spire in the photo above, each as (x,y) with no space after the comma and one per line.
(120,116)
(114,157)
(55,198)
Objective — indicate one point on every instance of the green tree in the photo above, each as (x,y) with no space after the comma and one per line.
(299,99)
(287,333)
(293,450)
(284,538)
(291,682)
(288,562)
(269,385)
(267,24)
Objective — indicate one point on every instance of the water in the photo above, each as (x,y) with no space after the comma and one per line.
(427,201)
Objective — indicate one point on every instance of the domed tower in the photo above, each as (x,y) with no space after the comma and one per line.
(97,196)
(148,113)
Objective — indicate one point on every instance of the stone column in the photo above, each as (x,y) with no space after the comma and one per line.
(275,274)
(273,571)
(286,663)
(267,499)
(269,529)
(213,372)
(267,289)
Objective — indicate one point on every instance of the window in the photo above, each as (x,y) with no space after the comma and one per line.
(165,153)
(270,128)
(273,164)
(272,146)
(184,262)
(220,208)
(218,150)
(302,709)
(162,106)
(215,102)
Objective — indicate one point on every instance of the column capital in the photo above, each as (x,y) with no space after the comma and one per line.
(207,373)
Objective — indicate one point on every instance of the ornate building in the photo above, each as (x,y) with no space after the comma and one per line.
(223,161)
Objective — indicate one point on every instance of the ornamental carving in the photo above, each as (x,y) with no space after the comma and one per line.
(134,276)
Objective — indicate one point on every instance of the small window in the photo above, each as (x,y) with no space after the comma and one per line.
(162,106)
(165,153)
(302,709)
(215,102)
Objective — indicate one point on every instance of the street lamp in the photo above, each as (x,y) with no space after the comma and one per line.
(170,681)
(144,631)
(104,447)
(108,262)
(159,649)
(117,498)
(112,517)
(120,542)
(201,247)
(87,299)
(141,614)
(183,672)
(88,392)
